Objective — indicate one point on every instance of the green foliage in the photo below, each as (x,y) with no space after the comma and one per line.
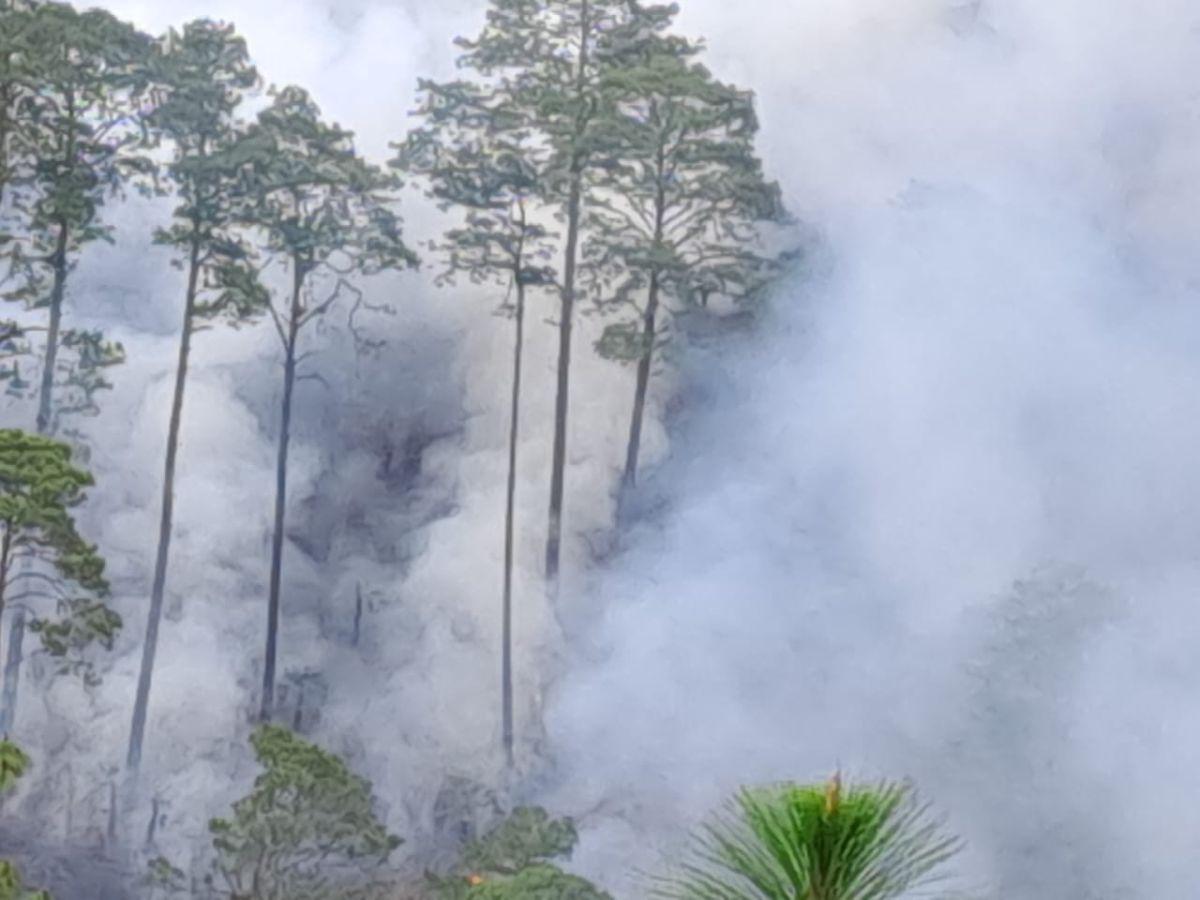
(476,152)
(81,128)
(306,832)
(13,888)
(82,622)
(624,342)
(163,878)
(316,200)
(321,208)
(203,74)
(816,842)
(13,764)
(39,487)
(511,862)
(552,57)
(684,192)
(73,136)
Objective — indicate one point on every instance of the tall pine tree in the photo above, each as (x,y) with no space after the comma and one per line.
(81,127)
(327,216)
(476,151)
(202,74)
(679,223)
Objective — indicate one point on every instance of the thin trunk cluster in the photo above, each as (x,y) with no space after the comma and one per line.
(562,397)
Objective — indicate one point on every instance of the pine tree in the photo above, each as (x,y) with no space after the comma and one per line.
(44,562)
(202,74)
(307,831)
(681,220)
(85,78)
(475,151)
(328,216)
(553,56)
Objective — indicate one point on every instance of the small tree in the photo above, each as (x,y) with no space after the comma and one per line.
(476,153)
(202,74)
(62,575)
(822,842)
(513,862)
(327,215)
(687,194)
(306,832)
(84,77)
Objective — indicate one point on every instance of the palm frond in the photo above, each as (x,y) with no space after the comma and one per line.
(815,842)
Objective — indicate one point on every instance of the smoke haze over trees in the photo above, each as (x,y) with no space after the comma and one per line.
(897,476)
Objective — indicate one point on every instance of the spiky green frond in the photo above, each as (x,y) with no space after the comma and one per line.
(802,842)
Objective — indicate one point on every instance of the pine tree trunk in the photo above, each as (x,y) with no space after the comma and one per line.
(506,678)
(558,462)
(5,565)
(285,424)
(158,587)
(6,100)
(649,331)
(649,335)
(12,672)
(46,397)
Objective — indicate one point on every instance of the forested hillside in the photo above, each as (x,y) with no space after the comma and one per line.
(590,448)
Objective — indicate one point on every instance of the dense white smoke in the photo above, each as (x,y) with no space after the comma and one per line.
(988,374)
(991,376)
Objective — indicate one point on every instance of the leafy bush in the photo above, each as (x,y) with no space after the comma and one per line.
(511,862)
(308,830)
(797,842)
(13,764)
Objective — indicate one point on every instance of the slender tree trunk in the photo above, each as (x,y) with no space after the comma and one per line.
(141,704)
(46,397)
(649,329)
(649,334)
(285,424)
(506,679)
(12,673)
(7,89)
(5,564)
(562,398)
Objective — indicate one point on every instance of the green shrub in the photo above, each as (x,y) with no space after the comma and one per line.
(512,862)
(13,764)
(307,831)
